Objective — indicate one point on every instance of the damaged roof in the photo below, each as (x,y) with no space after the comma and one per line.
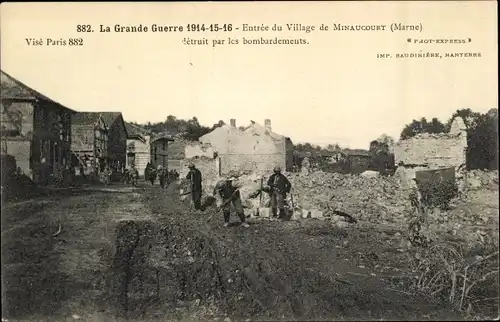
(134,131)
(85,118)
(14,89)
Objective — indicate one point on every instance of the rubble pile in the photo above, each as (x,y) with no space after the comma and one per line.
(474,227)
(368,198)
(480,178)
(436,135)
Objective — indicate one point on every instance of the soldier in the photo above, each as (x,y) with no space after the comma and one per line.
(152,176)
(162,176)
(147,170)
(279,187)
(134,175)
(194,177)
(226,193)
(106,175)
(82,170)
(126,175)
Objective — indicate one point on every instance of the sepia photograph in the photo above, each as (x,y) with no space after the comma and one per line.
(249,161)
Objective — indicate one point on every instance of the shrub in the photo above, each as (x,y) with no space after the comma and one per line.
(438,194)
(447,272)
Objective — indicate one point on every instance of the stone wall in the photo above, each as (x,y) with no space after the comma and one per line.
(20,149)
(175,164)
(198,149)
(254,149)
(250,163)
(17,116)
(209,169)
(176,149)
(433,151)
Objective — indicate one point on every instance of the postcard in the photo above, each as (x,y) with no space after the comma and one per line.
(247,161)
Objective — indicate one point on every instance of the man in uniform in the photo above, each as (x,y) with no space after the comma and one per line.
(194,177)
(147,170)
(134,175)
(106,175)
(279,186)
(152,176)
(226,194)
(162,176)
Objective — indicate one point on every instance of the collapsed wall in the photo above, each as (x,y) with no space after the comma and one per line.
(365,198)
(432,152)
(209,168)
(254,149)
(176,153)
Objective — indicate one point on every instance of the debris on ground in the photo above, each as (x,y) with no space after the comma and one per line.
(480,178)
(367,198)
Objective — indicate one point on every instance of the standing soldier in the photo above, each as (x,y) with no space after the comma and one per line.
(279,187)
(126,175)
(152,176)
(226,193)
(134,175)
(194,177)
(82,170)
(162,176)
(147,170)
(106,175)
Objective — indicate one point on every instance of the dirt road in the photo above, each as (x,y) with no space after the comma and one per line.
(139,253)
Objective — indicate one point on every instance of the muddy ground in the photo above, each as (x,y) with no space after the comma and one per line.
(141,254)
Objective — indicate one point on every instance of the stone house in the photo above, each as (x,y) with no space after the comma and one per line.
(433,152)
(89,142)
(117,139)
(252,149)
(35,130)
(144,148)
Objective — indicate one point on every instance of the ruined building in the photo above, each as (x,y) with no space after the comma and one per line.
(252,149)
(433,152)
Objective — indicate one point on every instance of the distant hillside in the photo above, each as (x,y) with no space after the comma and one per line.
(190,130)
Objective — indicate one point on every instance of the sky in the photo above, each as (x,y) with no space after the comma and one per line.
(332,90)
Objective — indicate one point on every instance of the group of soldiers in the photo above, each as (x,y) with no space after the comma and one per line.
(131,175)
(162,174)
(227,193)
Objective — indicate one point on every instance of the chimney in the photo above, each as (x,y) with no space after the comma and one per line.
(233,122)
(267,125)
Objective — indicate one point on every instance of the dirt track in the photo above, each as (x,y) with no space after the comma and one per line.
(139,253)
